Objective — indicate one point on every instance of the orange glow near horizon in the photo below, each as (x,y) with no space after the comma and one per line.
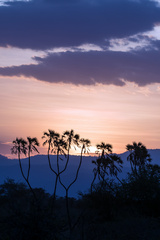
(115,115)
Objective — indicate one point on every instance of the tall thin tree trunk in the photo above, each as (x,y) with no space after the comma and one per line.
(95,175)
(57,176)
(67,198)
(29,165)
(26,178)
(66,161)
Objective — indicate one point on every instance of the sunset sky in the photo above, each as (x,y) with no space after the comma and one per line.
(88,65)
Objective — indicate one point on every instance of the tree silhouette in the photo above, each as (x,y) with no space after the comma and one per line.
(103,149)
(85,144)
(60,147)
(32,144)
(71,138)
(57,145)
(106,164)
(20,147)
(51,136)
(138,156)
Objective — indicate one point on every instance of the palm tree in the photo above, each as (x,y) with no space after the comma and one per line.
(115,164)
(138,156)
(85,144)
(57,145)
(106,164)
(50,137)
(71,138)
(60,147)
(104,148)
(32,144)
(20,147)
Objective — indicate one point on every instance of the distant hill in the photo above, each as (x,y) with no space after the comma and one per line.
(4,160)
(154,153)
(41,176)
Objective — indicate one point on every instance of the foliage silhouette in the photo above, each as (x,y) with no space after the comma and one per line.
(60,147)
(106,164)
(18,220)
(20,147)
(50,139)
(70,138)
(84,144)
(102,213)
(138,156)
(32,144)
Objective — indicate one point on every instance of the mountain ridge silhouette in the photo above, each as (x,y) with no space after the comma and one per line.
(42,177)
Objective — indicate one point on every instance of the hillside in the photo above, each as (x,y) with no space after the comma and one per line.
(41,176)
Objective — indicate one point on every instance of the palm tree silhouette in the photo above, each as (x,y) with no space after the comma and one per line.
(85,144)
(32,144)
(70,138)
(138,156)
(57,145)
(60,147)
(104,148)
(106,164)
(50,138)
(20,147)
(115,165)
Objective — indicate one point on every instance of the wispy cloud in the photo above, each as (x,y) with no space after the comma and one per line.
(7,2)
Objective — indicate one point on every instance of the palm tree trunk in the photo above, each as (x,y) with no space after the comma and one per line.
(55,186)
(26,178)
(57,175)
(66,161)
(80,163)
(29,165)
(67,190)
(49,161)
(95,175)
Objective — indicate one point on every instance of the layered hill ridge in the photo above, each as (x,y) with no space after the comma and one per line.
(41,175)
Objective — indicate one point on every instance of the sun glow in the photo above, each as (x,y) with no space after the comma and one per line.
(111,114)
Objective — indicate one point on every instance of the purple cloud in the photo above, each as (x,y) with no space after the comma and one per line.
(45,24)
(93,67)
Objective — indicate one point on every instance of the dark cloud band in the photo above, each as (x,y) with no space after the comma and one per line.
(93,67)
(45,24)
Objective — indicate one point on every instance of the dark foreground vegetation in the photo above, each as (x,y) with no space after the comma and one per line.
(112,209)
(131,211)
